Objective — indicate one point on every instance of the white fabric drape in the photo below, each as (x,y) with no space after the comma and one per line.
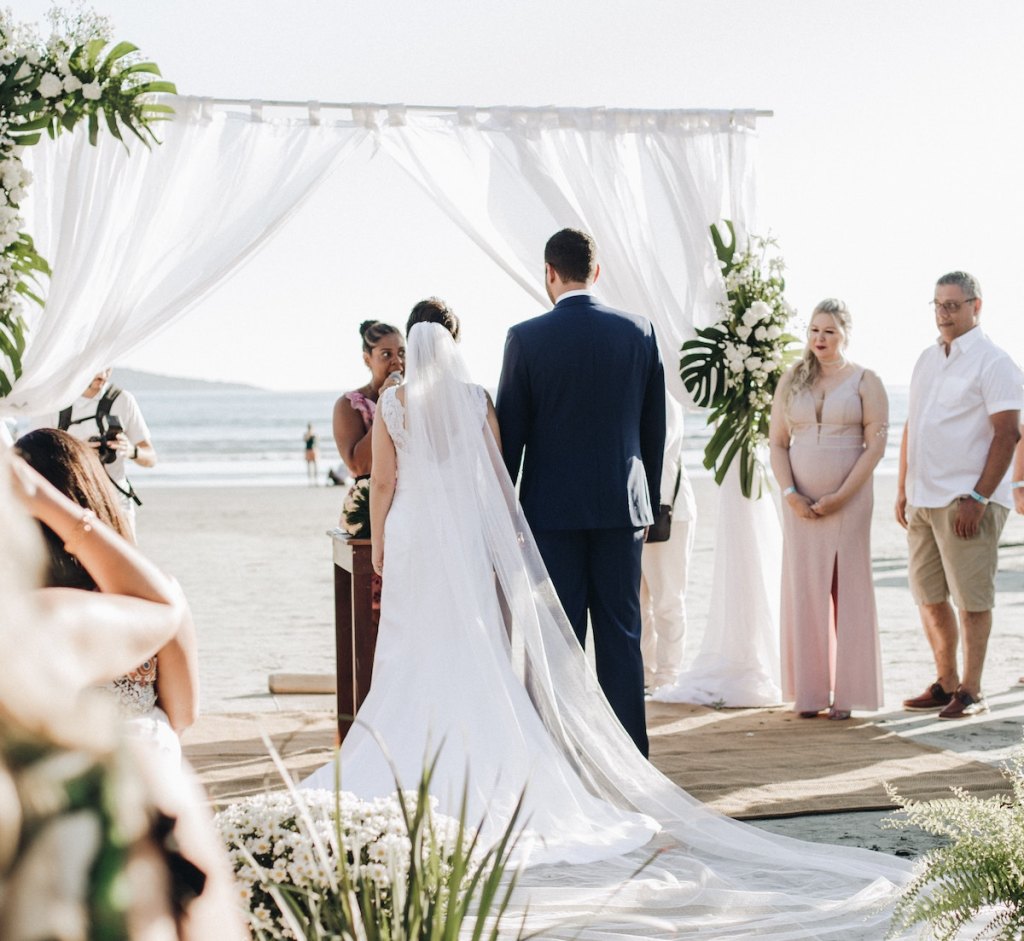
(646,184)
(135,239)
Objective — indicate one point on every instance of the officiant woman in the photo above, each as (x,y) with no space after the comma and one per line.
(384,355)
(828,431)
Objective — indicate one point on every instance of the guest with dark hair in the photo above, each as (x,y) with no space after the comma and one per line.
(153,701)
(384,355)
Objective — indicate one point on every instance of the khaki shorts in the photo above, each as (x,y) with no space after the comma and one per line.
(943,564)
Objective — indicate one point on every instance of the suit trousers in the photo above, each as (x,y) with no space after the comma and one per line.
(597,571)
(665,567)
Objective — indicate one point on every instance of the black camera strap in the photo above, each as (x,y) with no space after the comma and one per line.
(101,418)
(103,408)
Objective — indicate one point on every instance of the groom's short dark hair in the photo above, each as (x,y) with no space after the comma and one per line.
(573,255)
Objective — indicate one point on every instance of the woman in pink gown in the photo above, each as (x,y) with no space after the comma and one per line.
(828,431)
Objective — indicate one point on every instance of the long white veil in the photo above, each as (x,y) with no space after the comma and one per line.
(713,878)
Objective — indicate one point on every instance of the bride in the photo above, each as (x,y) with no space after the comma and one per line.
(475,658)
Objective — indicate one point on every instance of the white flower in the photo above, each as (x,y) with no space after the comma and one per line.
(752,362)
(24,72)
(50,86)
(761,334)
(757,312)
(92,92)
(774,332)
(72,83)
(743,331)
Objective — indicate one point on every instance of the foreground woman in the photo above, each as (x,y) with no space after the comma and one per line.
(159,696)
(528,711)
(93,836)
(828,432)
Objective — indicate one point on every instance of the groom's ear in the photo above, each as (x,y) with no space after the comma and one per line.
(597,272)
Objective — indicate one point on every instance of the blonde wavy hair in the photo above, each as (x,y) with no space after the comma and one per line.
(807,370)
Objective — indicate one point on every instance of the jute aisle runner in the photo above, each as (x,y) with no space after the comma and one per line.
(748,763)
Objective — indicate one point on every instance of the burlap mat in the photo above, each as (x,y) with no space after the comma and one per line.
(748,763)
(751,763)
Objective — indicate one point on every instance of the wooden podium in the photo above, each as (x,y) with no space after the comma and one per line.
(355,624)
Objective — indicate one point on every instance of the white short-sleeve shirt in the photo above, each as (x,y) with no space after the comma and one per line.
(124,407)
(948,428)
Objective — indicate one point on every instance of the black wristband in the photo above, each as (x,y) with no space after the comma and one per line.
(135,454)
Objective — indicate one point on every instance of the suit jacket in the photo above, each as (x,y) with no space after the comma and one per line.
(582,393)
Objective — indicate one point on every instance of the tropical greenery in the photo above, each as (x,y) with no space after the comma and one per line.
(48,87)
(977,877)
(733,366)
(319,865)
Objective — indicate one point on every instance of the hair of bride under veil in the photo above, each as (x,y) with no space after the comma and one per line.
(373,331)
(808,368)
(434,310)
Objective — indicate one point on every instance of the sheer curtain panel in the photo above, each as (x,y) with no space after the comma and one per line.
(134,240)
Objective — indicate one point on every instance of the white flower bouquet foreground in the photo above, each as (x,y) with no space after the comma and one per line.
(403,865)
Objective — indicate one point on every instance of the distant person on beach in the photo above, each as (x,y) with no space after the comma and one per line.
(109,419)
(581,405)
(160,695)
(830,419)
(665,564)
(954,495)
(311,454)
(147,830)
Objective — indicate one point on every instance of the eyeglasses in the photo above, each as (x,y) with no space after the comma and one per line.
(951,307)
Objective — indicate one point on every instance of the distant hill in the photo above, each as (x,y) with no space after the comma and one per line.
(134,380)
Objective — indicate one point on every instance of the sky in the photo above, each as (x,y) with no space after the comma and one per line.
(893,156)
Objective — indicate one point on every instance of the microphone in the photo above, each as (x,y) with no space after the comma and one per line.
(389,381)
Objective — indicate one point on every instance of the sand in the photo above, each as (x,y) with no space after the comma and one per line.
(256,566)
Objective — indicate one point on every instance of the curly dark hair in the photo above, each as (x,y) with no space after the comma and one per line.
(75,470)
(434,310)
(373,331)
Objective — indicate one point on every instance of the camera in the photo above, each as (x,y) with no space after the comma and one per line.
(107,451)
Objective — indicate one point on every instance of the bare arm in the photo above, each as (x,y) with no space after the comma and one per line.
(353,440)
(177,677)
(138,609)
(1018,472)
(778,440)
(875,405)
(1005,435)
(901,483)
(382,489)
(492,421)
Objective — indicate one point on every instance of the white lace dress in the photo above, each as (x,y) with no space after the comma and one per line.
(135,697)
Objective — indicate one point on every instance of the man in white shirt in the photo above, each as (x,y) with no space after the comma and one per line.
(132,443)
(954,491)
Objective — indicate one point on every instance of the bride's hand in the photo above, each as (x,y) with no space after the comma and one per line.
(25,482)
(377,557)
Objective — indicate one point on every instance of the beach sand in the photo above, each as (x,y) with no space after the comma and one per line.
(256,566)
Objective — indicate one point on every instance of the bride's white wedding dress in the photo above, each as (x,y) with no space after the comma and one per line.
(463,576)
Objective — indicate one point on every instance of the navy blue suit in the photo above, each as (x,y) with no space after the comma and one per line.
(581,404)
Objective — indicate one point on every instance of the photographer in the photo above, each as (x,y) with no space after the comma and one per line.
(110,420)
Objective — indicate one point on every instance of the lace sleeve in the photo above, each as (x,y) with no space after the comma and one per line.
(480,395)
(391,410)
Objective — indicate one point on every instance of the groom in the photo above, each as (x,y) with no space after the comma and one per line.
(582,391)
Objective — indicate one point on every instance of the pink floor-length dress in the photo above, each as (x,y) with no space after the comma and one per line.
(822,655)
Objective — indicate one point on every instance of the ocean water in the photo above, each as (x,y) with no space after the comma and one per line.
(236,438)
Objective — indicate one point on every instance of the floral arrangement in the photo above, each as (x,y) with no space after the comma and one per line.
(355,511)
(979,871)
(733,366)
(52,86)
(328,865)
